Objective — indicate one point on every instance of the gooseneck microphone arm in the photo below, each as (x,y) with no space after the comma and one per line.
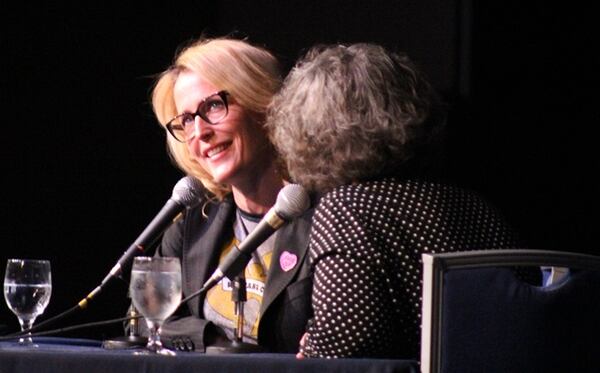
(170,212)
(187,193)
(292,201)
(236,261)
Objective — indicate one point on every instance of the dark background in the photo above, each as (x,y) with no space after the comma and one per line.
(84,167)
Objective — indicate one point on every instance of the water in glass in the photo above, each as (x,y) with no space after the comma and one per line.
(27,290)
(155,289)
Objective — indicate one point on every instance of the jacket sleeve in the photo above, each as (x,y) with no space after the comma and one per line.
(350,301)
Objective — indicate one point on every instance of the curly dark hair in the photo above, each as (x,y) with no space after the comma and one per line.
(352,113)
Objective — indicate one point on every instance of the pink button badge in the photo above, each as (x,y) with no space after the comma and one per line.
(287,261)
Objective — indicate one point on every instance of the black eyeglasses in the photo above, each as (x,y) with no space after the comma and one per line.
(211,109)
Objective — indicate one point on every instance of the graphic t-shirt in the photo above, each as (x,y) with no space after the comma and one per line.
(218,305)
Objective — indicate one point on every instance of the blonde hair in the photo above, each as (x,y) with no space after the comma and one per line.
(249,73)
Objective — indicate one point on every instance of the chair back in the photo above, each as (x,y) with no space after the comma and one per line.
(479,316)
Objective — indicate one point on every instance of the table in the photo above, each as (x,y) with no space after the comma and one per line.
(62,355)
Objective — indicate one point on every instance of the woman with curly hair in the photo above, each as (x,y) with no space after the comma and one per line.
(362,126)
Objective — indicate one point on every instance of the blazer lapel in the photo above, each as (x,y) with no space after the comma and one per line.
(203,248)
(291,246)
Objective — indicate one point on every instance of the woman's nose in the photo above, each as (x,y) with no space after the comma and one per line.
(202,130)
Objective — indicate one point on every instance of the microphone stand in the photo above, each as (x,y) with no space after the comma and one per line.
(237,346)
(133,337)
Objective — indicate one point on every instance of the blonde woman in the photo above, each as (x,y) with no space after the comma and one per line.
(212,103)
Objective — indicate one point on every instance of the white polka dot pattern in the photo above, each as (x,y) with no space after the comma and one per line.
(365,246)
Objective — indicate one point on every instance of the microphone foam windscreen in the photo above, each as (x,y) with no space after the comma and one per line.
(188,191)
(292,201)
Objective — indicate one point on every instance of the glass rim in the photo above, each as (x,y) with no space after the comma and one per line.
(28,260)
(151,258)
(154,263)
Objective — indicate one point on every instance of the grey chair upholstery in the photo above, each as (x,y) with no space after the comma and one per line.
(479,316)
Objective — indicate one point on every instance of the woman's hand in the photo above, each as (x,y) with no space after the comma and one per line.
(300,355)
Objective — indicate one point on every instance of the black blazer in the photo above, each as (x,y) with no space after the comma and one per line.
(197,241)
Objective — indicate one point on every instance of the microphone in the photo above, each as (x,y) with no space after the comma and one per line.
(187,193)
(292,201)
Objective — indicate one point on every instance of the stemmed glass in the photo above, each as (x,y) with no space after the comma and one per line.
(155,289)
(27,290)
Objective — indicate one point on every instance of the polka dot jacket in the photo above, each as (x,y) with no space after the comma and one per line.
(365,248)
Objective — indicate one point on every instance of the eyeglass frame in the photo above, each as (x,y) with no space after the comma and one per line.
(222,94)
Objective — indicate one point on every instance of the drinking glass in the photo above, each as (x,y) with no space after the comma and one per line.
(27,290)
(155,289)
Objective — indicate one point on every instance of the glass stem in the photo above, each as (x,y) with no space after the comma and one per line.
(26,325)
(154,343)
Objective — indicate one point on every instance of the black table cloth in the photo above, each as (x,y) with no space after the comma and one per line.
(62,355)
